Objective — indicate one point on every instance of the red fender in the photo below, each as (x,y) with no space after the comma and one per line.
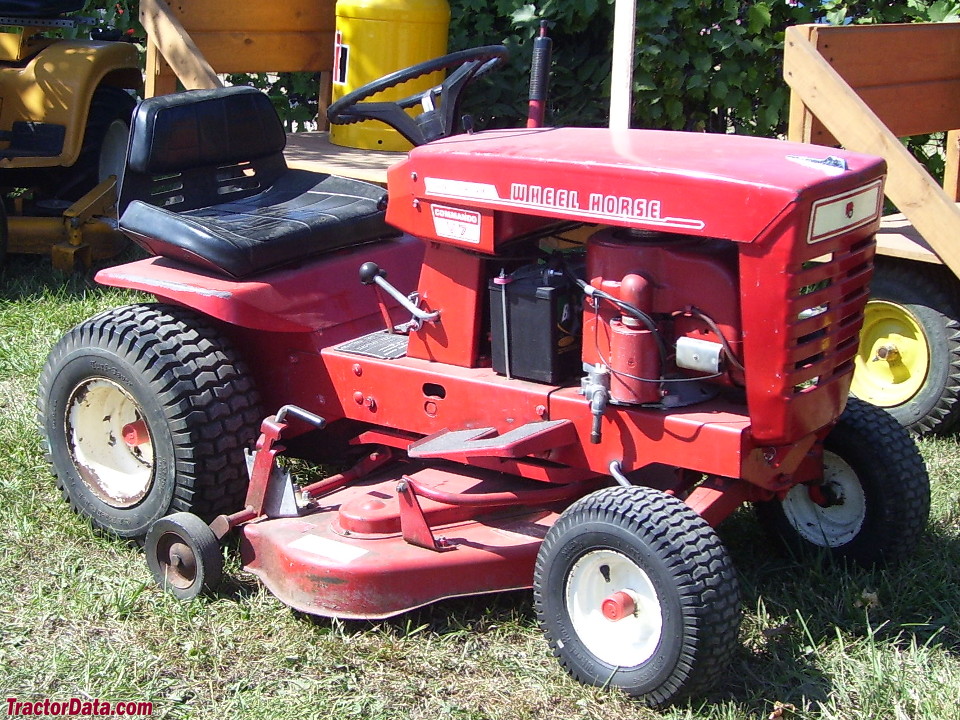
(315,295)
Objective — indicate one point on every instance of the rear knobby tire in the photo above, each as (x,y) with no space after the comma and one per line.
(913,309)
(103,150)
(146,410)
(873,504)
(680,624)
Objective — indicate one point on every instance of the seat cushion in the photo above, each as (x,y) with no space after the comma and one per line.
(301,215)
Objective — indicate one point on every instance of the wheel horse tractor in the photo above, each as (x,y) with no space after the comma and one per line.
(575,418)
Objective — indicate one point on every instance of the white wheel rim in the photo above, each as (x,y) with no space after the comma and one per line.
(627,642)
(118,473)
(113,151)
(840,521)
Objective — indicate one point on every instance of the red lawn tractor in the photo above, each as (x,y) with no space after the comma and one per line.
(571,417)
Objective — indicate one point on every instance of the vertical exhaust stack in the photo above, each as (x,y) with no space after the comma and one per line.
(539,77)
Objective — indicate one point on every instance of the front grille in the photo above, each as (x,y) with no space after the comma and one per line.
(802,304)
(827,301)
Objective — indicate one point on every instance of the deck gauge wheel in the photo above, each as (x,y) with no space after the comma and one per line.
(184,556)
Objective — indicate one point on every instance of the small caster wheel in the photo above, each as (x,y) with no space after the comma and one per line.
(184,555)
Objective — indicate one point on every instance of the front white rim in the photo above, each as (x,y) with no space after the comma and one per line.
(627,642)
(116,471)
(839,520)
(113,151)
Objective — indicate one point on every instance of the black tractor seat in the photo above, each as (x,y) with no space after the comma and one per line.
(206,183)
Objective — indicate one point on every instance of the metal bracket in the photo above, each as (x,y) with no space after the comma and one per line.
(413,524)
(279,499)
(70,22)
(270,491)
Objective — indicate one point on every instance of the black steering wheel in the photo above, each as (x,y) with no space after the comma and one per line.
(434,122)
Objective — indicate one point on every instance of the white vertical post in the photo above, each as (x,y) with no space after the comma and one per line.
(621,74)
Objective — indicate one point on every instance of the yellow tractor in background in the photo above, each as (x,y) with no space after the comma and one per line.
(65,108)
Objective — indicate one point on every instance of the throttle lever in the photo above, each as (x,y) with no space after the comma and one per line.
(371,273)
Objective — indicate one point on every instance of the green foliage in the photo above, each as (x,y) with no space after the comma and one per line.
(121,15)
(699,64)
(579,82)
(711,65)
(841,12)
(294,94)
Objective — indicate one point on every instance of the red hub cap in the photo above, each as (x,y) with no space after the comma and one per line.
(136,433)
(618,606)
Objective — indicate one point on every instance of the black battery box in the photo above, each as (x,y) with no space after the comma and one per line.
(535,321)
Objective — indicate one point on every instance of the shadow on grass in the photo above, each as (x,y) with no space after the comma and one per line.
(795,608)
(23,277)
(793,611)
(478,613)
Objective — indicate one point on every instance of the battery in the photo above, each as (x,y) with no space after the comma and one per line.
(535,325)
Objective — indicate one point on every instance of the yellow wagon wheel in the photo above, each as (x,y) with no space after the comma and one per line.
(894,357)
(909,356)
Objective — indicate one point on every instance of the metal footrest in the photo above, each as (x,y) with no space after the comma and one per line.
(484,442)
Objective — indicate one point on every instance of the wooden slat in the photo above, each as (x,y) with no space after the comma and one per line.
(897,237)
(809,129)
(800,123)
(265,15)
(266,51)
(869,55)
(323,99)
(858,128)
(906,109)
(176,46)
(915,108)
(159,79)
(951,171)
(886,65)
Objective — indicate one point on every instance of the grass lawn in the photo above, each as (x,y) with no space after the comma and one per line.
(80,617)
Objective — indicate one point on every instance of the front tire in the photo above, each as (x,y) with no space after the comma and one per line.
(634,590)
(874,500)
(146,410)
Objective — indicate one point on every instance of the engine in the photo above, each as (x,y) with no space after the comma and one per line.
(648,316)
(662,313)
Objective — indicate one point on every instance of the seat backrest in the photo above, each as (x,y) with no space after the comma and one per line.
(200,148)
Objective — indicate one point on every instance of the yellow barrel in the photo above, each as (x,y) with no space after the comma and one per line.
(377,37)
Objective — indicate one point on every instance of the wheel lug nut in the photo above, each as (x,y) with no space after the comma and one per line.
(890,353)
